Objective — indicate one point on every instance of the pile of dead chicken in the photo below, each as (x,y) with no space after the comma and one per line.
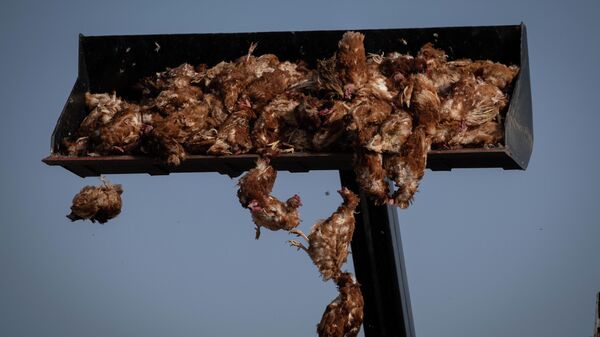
(389,110)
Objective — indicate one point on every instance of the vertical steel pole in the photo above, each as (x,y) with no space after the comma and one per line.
(597,325)
(379,266)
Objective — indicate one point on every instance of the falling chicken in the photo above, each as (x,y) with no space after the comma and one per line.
(267,211)
(344,315)
(97,203)
(329,240)
(274,214)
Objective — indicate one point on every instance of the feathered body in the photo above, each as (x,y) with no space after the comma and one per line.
(257,183)
(267,211)
(370,175)
(100,203)
(122,134)
(344,315)
(276,215)
(233,136)
(351,62)
(172,78)
(407,168)
(172,132)
(102,107)
(392,133)
(329,240)
(420,96)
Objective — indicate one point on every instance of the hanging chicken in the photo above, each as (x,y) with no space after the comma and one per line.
(267,211)
(257,183)
(370,175)
(329,240)
(344,315)
(407,168)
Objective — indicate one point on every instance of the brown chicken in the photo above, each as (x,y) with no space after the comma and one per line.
(445,75)
(274,214)
(234,134)
(173,78)
(335,117)
(378,85)
(97,203)
(278,128)
(202,137)
(76,146)
(230,79)
(399,67)
(407,168)
(275,100)
(367,116)
(351,62)
(266,132)
(487,134)
(473,102)
(267,211)
(345,72)
(431,55)
(370,175)
(297,140)
(102,108)
(274,82)
(344,315)
(257,183)
(123,133)
(329,240)
(327,78)
(171,101)
(420,96)
(392,134)
(170,134)
(496,74)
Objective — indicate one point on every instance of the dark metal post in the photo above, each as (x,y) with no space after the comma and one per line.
(379,265)
(597,325)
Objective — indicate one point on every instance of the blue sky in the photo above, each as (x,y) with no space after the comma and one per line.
(488,252)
